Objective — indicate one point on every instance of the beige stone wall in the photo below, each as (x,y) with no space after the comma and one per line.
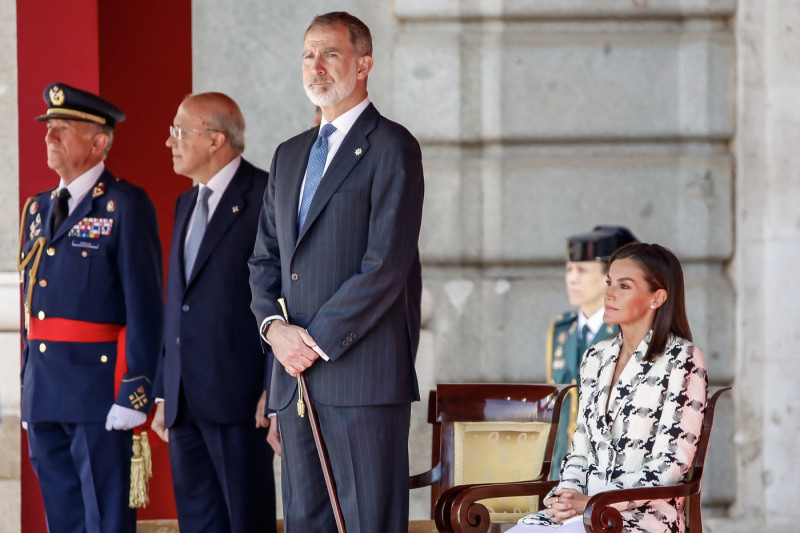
(677,118)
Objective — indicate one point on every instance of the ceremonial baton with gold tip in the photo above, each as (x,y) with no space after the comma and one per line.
(302,407)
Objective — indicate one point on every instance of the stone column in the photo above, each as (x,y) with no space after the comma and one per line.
(767,255)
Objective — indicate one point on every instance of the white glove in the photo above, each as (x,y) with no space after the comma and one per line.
(124,418)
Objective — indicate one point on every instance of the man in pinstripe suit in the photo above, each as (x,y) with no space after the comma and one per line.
(348,266)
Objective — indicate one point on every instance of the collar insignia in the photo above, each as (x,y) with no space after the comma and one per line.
(99,189)
(34,208)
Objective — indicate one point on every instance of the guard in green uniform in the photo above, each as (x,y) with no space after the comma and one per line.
(573,332)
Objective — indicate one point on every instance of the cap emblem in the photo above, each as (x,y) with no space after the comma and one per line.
(56,95)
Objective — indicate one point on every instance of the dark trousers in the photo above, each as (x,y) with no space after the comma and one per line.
(221,475)
(368,451)
(84,473)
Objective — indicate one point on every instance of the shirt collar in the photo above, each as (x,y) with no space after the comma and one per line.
(80,186)
(219,183)
(595,321)
(345,121)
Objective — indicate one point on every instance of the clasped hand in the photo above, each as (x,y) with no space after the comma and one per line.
(292,346)
(566,504)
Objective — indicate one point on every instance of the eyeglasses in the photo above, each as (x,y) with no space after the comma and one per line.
(176,132)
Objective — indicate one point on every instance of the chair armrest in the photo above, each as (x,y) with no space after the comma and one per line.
(426,479)
(600,516)
(457,509)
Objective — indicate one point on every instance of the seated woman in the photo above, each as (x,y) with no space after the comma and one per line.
(641,400)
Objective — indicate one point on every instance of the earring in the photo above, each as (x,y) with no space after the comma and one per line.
(652,306)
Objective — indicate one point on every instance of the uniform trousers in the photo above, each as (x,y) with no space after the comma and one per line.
(368,451)
(221,475)
(84,473)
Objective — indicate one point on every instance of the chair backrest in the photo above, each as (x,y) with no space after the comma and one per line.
(692,504)
(488,433)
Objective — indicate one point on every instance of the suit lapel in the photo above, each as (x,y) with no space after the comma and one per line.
(183,211)
(352,150)
(289,197)
(228,209)
(632,375)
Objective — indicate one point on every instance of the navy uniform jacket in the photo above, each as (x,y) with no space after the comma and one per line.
(563,366)
(102,266)
(211,341)
(351,276)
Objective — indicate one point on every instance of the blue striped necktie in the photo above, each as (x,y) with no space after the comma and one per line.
(314,170)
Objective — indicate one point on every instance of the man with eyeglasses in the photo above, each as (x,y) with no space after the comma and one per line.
(90,260)
(213,373)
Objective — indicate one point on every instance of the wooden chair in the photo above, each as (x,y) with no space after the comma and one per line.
(490,433)
(459,509)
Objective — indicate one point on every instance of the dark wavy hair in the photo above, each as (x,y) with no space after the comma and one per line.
(662,270)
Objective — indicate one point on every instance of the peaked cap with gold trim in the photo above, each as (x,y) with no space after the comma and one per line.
(68,103)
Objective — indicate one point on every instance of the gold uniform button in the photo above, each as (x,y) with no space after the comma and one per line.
(42,347)
(43,283)
(103,358)
(51,251)
(84,253)
(41,315)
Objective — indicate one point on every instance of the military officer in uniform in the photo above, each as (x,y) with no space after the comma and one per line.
(91,269)
(574,331)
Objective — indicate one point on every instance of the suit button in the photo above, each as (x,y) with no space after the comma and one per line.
(42,347)
(103,358)
(84,253)
(51,251)
(178,341)
(295,276)
(345,342)
(185,307)
(41,315)
(43,283)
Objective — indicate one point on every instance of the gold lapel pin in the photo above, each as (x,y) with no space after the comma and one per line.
(358,151)
(235,209)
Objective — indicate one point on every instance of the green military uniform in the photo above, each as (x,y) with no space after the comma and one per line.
(565,344)
(564,356)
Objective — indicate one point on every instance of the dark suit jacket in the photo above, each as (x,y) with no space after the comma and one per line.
(103,266)
(352,276)
(211,342)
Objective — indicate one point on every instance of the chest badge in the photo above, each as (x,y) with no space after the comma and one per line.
(111,206)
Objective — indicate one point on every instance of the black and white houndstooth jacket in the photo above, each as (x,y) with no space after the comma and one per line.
(641,431)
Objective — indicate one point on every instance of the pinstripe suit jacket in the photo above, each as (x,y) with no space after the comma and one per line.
(352,276)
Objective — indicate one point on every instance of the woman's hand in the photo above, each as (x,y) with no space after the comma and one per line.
(565,504)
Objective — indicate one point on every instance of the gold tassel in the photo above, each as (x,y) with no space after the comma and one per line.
(301,405)
(147,455)
(138,494)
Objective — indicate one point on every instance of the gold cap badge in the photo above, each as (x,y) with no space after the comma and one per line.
(56,95)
